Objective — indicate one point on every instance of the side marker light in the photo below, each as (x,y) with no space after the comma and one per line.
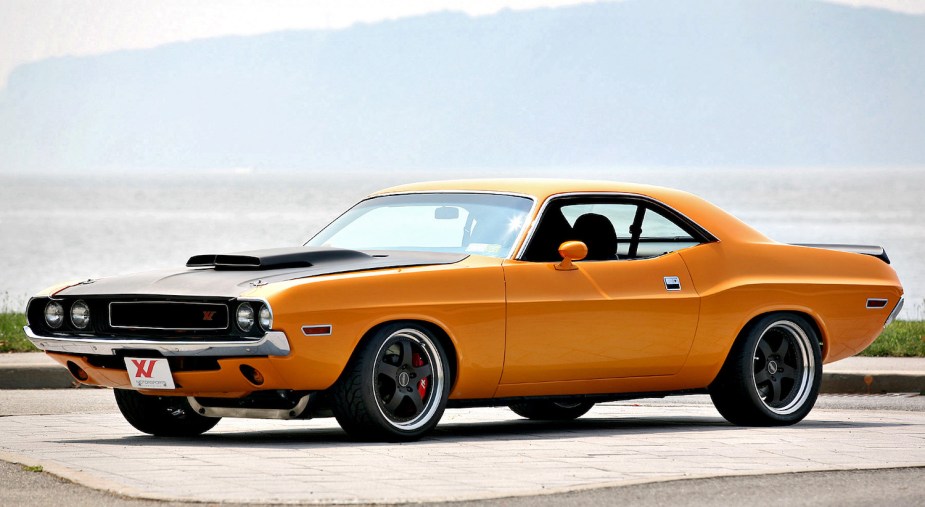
(317,330)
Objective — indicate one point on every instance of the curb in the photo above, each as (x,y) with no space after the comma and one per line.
(55,376)
(30,376)
(872,383)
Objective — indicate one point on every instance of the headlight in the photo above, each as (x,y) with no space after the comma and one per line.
(266,317)
(80,315)
(245,317)
(54,314)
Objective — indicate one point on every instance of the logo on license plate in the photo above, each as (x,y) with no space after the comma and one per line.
(148,373)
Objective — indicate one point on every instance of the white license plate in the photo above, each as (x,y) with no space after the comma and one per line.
(148,373)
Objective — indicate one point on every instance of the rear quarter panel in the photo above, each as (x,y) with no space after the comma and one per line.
(741,281)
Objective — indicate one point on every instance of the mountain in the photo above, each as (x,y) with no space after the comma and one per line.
(640,82)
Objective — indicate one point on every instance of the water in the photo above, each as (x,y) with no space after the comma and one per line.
(55,229)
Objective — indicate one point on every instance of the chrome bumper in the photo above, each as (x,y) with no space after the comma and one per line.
(274,343)
(895,313)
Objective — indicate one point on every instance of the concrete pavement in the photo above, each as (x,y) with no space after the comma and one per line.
(855,375)
(473,454)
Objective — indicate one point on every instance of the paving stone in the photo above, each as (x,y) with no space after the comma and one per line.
(479,453)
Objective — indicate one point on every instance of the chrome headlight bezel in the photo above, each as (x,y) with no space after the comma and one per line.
(265,317)
(245,317)
(54,314)
(80,315)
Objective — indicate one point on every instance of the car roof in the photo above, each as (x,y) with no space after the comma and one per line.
(718,222)
(539,188)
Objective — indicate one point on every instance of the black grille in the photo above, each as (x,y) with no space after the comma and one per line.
(168,315)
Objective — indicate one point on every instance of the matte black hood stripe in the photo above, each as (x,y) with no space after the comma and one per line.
(265,266)
(298,257)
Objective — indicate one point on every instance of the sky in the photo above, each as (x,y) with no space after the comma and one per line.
(32,30)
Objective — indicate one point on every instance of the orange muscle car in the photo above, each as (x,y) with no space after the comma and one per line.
(542,295)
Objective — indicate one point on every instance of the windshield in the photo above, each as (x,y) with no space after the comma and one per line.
(480,224)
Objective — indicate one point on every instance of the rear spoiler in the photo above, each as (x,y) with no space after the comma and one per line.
(872,250)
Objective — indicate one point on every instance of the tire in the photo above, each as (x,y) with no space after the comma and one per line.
(544,410)
(772,374)
(395,388)
(162,416)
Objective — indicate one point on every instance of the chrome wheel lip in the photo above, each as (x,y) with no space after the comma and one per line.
(803,384)
(432,404)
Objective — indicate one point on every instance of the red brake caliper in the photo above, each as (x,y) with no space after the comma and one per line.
(417,362)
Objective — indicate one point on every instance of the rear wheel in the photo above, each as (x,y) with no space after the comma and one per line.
(772,374)
(395,388)
(162,416)
(544,410)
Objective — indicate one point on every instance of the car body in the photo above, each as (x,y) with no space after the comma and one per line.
(543,295)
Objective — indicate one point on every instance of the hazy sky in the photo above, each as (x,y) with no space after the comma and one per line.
(32,30)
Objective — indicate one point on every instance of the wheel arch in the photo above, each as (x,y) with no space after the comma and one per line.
(807,314)
(438,331)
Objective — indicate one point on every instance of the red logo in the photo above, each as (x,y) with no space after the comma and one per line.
(144,368)
(208,315)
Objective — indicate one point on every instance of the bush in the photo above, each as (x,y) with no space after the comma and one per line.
(12,337)
(902,338)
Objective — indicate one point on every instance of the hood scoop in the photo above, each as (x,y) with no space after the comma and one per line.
(277,258)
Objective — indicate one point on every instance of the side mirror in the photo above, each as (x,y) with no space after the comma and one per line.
(571,251)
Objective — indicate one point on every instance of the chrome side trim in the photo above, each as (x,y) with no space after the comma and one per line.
(895,312)
(251,413)
(274,343)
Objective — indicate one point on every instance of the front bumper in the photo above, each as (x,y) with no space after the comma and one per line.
(274,343)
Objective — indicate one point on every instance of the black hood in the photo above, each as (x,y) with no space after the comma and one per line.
(228,275)
(280,258)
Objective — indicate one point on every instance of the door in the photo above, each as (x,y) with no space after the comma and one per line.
(629,310)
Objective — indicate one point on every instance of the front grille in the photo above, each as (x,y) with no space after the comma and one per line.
(168,315)
(167,319)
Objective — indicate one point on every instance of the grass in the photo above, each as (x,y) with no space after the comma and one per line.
(28,468)
(902,338)
(12,338)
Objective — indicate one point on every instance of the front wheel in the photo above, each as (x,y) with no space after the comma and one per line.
(395,388)
(772,374)
(162,416)
(543,410)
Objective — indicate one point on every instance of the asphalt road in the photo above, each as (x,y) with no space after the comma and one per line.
(843,489)
(20,486)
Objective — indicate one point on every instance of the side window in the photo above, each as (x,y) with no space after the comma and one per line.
(601,226)
(612,229)
(660,236)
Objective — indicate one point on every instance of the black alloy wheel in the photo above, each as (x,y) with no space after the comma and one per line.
(396,387)
(772,374)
